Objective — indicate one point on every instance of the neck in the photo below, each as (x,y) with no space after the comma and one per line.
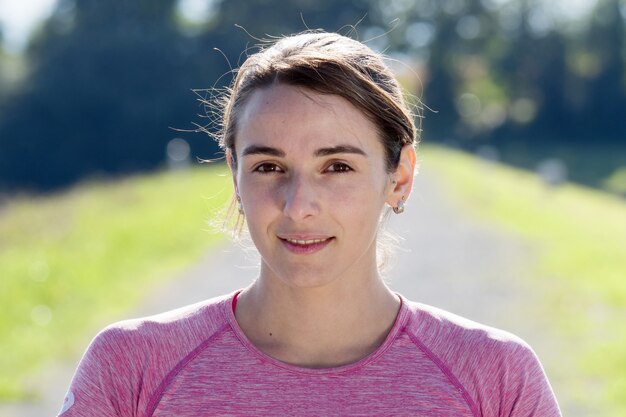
(317,327)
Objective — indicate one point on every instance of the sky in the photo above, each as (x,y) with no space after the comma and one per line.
(19,17)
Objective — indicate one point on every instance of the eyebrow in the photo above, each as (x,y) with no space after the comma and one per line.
(339,149)
(262,150)
(332,150)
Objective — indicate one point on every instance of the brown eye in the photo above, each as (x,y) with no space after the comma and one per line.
(266,168)
(338,167)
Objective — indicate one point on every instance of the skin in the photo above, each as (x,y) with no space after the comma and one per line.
(311,168)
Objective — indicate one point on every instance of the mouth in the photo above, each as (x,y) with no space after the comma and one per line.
(305,242)
(305,246)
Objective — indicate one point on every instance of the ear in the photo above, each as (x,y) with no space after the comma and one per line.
(402,177)
(230,160)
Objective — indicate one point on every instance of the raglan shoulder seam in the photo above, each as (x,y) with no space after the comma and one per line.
(155,398)
(445,369)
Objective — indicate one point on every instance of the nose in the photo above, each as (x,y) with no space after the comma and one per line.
(300,199)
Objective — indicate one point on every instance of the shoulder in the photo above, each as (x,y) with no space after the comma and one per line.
(451,336)
(186,326)
(495,368)
(127,361)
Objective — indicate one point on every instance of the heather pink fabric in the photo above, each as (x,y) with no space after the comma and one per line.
(196,361)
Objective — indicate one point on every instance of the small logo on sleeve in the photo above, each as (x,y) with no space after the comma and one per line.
(68,402)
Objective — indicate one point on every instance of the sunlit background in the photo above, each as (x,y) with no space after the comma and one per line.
(525,81)
(523,115)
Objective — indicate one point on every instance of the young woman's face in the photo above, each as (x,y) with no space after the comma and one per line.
(312,180)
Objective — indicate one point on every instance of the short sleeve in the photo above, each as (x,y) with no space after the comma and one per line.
(519,384)
(104,384)
(527,392)
(498,372)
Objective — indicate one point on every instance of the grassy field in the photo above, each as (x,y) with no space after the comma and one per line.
(71,261)
(580,237)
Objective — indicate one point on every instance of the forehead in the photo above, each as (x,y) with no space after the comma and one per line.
(298,119)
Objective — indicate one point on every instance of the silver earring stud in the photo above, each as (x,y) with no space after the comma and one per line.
(399,209)
(239,206)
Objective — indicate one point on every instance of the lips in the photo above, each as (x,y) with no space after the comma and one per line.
(305,242)
(305,245)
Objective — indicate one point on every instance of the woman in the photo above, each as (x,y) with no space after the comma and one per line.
(319,140)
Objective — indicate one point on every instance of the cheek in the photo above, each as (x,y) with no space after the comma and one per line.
(262,205)
(358,198)
(257,198)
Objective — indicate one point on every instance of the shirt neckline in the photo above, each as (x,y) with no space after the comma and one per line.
(398,326)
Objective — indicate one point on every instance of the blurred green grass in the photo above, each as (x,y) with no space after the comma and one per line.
(579,235)
(71,261)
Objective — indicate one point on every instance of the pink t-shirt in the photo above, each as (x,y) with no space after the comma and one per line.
(196,361)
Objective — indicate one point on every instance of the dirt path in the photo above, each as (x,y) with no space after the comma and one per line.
(447,259)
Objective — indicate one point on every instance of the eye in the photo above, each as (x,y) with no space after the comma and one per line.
(267,168)
(338,167)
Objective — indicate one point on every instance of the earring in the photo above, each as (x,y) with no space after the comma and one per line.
(399,209)
(239,205)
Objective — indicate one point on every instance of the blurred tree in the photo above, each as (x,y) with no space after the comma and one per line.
(536,69)
(534,73)
(108,79)
(605,103)
(442,83)
(458,42)
(3,81)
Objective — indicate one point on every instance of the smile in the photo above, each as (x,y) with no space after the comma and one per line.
(305,246)
(305,242)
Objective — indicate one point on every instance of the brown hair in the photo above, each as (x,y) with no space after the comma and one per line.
(327,63)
